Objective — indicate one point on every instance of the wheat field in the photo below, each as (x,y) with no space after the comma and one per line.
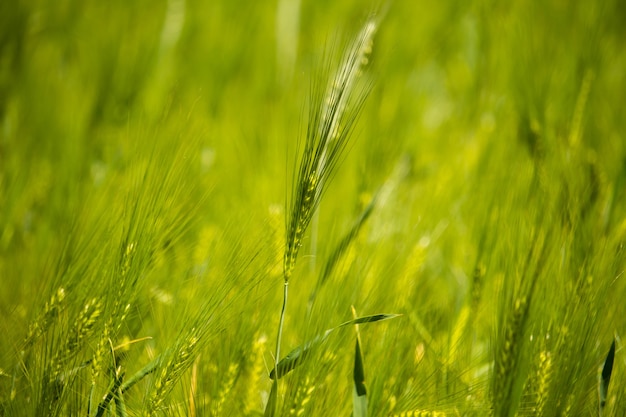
(299,208)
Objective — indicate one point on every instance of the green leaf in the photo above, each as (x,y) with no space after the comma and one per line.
(120,404)
(270,408)
(296,356)
(359,392)
(605,377)
(368,319)
(299,354)
(103,407)
(343,245)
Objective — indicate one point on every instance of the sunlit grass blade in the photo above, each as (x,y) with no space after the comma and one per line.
(341,248)
(119,387)
(272,403)
(103,407)
(359,391)
(120,403)
(605,376)
(299,354)
(296,356)
(369,319)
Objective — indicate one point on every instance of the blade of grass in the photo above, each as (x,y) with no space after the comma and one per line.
(359,392)
(104,404)
(120,404)
(270,408)
(605,377)
(299,354)
(341,248)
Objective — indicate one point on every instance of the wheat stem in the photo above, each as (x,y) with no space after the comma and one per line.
(280,326)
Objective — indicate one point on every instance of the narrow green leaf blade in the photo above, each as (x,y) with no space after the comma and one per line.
(369,319)
(605,377)
(299,354)
(359,392)
(142,373)
(359,371)
(296,356)
(120,404)
(103,407)
(343,245)
(270,408)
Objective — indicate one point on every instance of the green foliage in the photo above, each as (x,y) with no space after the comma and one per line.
(299,354)
(605,377)
(149,179)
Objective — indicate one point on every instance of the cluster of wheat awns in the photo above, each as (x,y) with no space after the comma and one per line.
(332,115)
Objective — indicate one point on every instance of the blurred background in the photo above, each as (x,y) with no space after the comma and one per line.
(491,126)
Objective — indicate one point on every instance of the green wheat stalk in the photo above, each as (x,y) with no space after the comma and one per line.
(331,119)
(330,124)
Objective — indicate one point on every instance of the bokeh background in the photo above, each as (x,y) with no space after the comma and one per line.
(146,157)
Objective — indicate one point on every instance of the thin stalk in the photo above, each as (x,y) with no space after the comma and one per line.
(90,402)
(281,321)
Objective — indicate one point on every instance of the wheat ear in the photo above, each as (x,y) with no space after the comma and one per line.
(331,119)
